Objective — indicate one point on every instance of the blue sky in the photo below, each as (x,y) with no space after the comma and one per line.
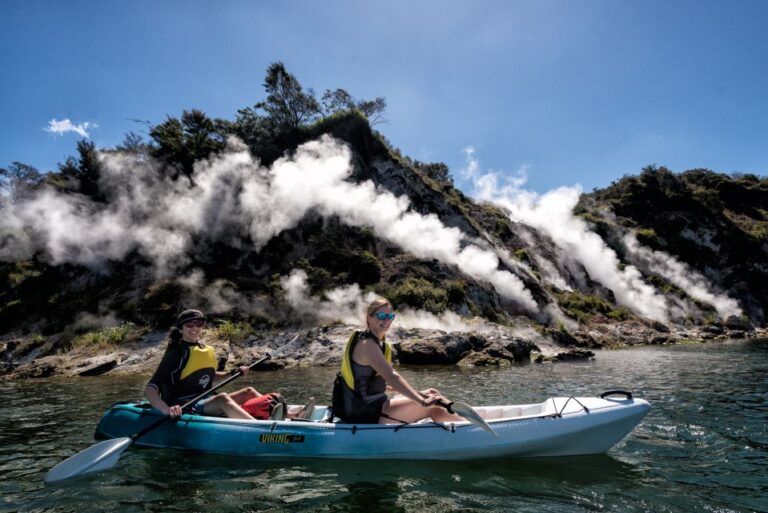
(572,92)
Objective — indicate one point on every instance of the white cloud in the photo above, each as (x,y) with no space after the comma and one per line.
(60,127)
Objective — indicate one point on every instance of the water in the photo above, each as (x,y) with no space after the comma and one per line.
(702,448)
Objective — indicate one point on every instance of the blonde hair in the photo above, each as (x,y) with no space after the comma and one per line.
(375,305)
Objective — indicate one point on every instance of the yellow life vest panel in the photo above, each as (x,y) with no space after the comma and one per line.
(199,358)
(346,362)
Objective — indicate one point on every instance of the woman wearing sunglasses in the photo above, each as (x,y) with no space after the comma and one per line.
(359,394)
(188,369)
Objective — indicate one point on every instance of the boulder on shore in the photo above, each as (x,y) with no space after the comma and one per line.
(99,365)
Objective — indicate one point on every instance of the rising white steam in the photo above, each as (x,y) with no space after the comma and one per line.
(219,296)
(680,274)
(315,178)
(348,305)
(552,213)
(230,196)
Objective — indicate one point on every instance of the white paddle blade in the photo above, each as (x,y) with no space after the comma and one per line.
(97,457)
(469,413)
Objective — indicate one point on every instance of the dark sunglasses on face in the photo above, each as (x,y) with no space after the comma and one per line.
(382,316)
(194,324)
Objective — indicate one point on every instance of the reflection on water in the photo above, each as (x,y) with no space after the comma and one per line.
(703,447)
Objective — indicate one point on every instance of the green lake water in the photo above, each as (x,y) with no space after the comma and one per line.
(702,448)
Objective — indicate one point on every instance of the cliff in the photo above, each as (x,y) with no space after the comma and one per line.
(268,226)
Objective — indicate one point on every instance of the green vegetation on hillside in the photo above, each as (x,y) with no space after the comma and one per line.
(718,224)
(715,223)
(583,307)
(109,337)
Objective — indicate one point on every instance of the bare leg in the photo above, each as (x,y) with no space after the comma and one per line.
(224,404)
(244,394)
(406,410)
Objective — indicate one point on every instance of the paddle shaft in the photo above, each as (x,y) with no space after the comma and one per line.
(192,402)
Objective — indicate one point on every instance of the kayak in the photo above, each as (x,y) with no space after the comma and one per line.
(559,426)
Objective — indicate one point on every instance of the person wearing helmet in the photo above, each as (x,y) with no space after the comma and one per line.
(188,369)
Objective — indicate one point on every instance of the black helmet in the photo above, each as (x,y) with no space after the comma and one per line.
(189,315)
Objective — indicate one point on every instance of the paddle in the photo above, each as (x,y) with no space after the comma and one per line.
(104,455)
(467,413)
(470,414)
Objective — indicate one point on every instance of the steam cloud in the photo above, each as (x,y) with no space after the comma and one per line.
(552,213)
(348,304)
(229,196)
(680,274)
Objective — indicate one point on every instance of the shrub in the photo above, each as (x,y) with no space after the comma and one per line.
(583,306)
(522,255)
(109,337)
(648,237)
(364,269)
(419,293)
(318,279)
(234,332)
(456,291)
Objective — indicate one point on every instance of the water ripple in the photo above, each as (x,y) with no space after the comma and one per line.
(703,446)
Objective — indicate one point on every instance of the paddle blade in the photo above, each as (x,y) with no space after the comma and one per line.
(97,457)
(466,411)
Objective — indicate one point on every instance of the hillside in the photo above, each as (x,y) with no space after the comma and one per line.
(282,218)
(717,224)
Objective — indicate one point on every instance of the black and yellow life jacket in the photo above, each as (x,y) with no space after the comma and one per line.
(346,362)
(186,370)
(359,392)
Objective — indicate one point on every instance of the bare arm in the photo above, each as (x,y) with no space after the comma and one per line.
(157,402)
(244,369)
(367,352)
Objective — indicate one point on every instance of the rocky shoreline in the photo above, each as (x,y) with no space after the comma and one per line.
(489,344)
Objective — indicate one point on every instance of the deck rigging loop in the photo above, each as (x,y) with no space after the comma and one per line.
(560,413)
(403,424)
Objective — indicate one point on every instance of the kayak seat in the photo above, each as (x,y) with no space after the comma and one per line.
(499,412)
(512,411)
(320,414)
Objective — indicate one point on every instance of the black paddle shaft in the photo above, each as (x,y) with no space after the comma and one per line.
(192,402)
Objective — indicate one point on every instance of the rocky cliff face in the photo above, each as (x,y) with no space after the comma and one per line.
(715,224)
(694,244)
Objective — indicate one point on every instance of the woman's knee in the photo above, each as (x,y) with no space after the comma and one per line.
(222,399)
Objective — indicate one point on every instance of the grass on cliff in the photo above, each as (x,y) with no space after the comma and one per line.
(234,332)
(583,307)
(109,337)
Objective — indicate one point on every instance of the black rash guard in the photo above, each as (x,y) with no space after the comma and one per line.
(186,370)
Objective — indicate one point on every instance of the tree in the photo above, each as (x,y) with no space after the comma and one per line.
(182,142)
(287,104)
(436,171)
(85,170)
(258,132)
(18,179)
(340,100)
(133,143)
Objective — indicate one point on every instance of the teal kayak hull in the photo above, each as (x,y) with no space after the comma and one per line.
(560,426)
